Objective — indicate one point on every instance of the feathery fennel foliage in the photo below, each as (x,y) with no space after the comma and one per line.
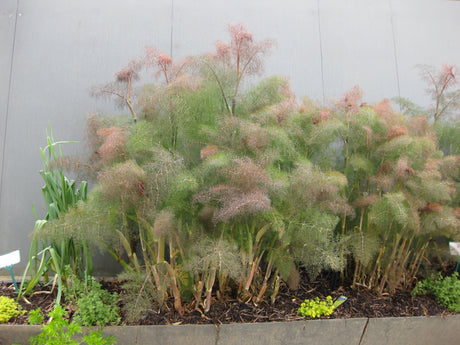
(221,188)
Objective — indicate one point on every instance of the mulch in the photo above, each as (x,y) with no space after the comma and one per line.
(360,303)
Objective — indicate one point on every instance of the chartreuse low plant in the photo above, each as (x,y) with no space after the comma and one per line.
(315,308)
(59,331)
(446,290)
(8,309)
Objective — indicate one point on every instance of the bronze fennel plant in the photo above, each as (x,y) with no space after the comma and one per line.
(219,188)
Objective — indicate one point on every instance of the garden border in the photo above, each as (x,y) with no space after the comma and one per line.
(356,331)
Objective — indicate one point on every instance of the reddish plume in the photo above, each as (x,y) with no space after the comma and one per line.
(163,64)
(113,146)
(130,72)
(397,131)
(351,101)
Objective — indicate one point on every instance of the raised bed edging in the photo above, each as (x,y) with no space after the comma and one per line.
(396,330)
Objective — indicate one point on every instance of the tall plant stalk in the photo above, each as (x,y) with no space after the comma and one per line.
(59,194)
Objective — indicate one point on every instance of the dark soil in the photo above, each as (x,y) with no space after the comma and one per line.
(360,303)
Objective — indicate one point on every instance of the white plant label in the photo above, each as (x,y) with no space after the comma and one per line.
(10,259)
(454,248)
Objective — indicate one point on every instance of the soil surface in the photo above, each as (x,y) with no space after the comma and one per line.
(360,303)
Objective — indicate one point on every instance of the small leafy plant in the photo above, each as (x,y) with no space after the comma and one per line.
(95,306)
(60,331)
(8,309)
(315,308)
(446,290)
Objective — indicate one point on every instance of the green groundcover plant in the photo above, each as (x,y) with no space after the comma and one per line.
(8,309)
(315,308)
(217,186)
(446,290)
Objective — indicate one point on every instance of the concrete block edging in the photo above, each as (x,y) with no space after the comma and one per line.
(359,331)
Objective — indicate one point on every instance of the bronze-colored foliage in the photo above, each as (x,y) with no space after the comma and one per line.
(243,193)
(233,61)
(124,183)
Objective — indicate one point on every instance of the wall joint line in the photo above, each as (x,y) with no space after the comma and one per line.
(2,172)
(394,48)
(321,50)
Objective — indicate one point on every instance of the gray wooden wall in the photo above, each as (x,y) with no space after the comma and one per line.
(53,51)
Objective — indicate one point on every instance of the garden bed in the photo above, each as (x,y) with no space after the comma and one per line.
(361,303)
(365,318)
(212,197)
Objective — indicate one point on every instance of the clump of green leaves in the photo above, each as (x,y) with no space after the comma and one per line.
(59,331)
(8,309)
(316,308)
(95,306)
(446,290)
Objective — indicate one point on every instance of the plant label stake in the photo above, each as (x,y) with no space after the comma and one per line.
(339,301)
(8,260)
(455,251)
